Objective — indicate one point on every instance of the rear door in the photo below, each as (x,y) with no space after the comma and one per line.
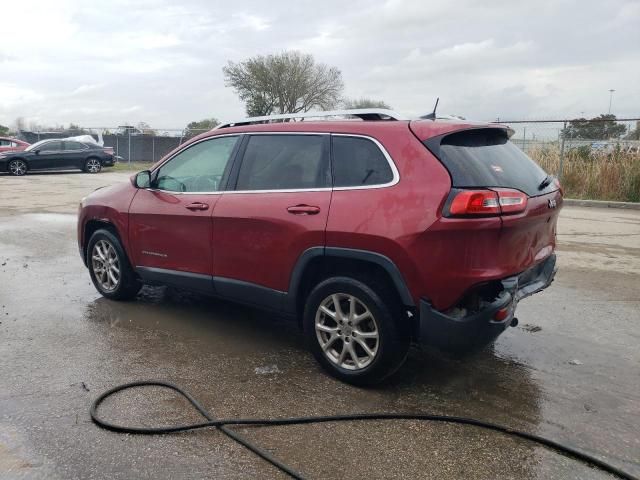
(277,208)
(75,154)
(485,158)
(170,223)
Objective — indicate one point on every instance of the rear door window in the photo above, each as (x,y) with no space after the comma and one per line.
(358,162)
(284,162)
(74,146)
(486,158)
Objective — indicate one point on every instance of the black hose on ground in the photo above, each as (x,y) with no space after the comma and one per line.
(222,425)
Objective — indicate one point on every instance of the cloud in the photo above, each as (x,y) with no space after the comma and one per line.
(161,62)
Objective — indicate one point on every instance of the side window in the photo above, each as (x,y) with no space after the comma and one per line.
(55,146)
(199,168)
(280,162)
(358,162)
(5,143)
(73,146)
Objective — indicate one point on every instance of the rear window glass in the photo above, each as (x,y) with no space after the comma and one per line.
(486,158)
(358,162)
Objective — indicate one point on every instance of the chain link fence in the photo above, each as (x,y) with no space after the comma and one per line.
(594,159)
(597,158)
(129,144)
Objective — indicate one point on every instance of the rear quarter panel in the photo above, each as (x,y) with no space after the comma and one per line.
(393,220)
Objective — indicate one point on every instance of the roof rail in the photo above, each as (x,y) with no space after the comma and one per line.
(362,113)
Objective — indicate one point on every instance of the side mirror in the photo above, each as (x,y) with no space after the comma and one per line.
(143,179)
(37,152)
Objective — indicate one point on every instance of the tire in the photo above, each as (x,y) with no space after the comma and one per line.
(387,350)
(92,165)
(18,167)
(104,252)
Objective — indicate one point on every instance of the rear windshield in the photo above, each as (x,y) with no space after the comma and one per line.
(486,158)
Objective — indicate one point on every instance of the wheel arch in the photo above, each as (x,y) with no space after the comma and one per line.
(318,263)
(91,227)
(18,158)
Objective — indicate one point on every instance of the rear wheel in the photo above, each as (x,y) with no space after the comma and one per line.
(18,167)
(92,165)
(109,267)
(352,333)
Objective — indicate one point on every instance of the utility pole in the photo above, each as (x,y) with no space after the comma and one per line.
(610,98)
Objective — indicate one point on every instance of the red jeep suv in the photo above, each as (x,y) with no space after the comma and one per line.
(374,231)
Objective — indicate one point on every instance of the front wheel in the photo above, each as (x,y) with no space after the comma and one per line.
(18,167)
(109,267)
(93,165)
(352,333)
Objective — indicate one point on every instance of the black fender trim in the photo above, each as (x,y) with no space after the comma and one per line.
(364,255)
(187,280)
(385,262)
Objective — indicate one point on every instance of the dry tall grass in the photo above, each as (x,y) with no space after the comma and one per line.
(613,176)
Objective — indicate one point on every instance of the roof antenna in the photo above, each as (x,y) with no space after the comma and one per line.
(432,115)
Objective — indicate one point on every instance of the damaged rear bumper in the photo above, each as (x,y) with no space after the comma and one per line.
(481,328)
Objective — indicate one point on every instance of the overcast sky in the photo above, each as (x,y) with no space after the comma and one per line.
(161,61)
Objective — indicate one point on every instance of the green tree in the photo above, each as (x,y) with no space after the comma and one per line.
(4,130)
(146,129)
(602,127)
(364,103)
(74,130)
(201,126)
(289,82)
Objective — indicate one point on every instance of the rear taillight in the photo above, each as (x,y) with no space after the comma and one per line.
(501,201)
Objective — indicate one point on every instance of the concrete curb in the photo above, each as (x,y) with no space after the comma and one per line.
(574,202)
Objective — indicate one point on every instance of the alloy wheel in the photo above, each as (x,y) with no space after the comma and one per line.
(347,331)
(18,167)
(93,165)
(106,265)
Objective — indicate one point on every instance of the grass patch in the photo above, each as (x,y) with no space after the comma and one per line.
(130,167)
(611,176)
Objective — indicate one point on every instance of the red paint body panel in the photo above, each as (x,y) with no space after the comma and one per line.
(255,238)
(252,237)
(20,145)
(110,205)
(163,233)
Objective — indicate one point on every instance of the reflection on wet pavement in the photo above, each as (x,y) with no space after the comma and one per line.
(62,344)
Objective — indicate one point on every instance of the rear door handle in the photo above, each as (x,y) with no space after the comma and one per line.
(303,210)
(197,206)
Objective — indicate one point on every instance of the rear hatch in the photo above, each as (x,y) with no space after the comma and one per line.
(491,177)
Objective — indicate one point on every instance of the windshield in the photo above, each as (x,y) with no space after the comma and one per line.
(35,145)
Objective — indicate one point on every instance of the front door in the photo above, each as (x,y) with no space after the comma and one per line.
(170,223)
(48,155)
(276,210)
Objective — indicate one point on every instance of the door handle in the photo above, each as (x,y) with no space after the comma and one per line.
(303,210)
(197,206)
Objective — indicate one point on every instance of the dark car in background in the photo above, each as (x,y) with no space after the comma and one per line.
(57,154)
(8,144)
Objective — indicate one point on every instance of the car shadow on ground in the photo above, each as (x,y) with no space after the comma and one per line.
(219,329)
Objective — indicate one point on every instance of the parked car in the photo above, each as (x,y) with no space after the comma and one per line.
(56,154)
(372,234)
(8,144)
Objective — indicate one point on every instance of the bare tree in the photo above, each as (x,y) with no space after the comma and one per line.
(364,103)
(289,82)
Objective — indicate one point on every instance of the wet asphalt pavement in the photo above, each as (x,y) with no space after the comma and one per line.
(570,371)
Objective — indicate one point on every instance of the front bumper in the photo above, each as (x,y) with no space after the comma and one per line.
(479,329)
